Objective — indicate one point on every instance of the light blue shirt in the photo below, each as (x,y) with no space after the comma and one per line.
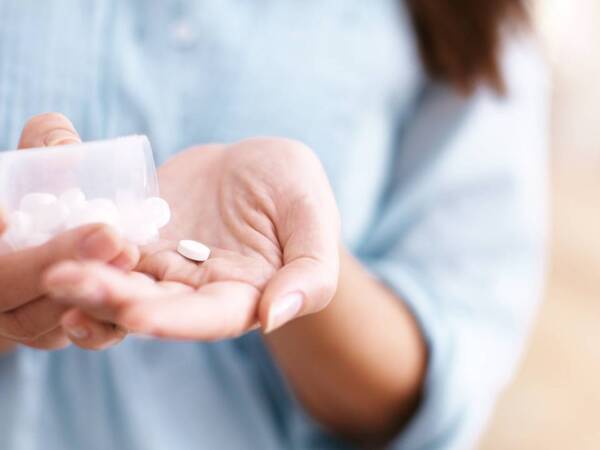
(443,198)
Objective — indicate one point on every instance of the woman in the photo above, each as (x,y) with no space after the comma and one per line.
(429,120)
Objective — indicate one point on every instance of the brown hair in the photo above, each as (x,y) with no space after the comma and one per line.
(460,40)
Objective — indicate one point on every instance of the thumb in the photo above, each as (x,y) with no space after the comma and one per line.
(306,283)
(47,130)
(303,286)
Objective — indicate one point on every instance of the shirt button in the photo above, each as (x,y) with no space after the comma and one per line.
(183,34)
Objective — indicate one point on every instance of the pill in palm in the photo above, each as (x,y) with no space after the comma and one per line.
(157,211)
(194,250)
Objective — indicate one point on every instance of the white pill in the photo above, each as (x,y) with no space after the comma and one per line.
(50,218)
(126,200)
(33,201)
(78,216)
(157,211)
(20,222)
(142,233)
(104,210)
(194,250)
(87,214)
(136,229)
(20,226)
(72,198)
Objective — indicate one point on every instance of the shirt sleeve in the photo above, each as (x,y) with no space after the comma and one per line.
(460,238)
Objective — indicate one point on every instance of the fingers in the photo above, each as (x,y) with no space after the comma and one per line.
(308,279)
(31,320)
(21,272)
(101,290)
(301,287)
(164,263)
(128,258)
(215,311)
(49,129)
(91,334)
(53,340)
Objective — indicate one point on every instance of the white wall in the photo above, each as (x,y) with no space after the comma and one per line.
(570,30)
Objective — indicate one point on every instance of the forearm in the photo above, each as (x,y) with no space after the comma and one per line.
(358,366)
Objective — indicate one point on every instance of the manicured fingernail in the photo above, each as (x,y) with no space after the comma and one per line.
(99,244)
(283,310)
(78,332)
(61,137)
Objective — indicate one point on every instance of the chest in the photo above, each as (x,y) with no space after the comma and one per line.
(337,75)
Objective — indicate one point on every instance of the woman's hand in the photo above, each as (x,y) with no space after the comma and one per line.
(27,315)
(265,208)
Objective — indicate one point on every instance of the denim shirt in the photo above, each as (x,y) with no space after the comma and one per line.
(442,197)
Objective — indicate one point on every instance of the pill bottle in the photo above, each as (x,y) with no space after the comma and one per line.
(45,191)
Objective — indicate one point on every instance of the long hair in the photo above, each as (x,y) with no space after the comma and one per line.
(460,40)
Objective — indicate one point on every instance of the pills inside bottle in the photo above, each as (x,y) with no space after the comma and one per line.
(41,216)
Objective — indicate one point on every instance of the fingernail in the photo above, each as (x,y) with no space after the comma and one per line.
(99,244)
(61,137)
(78,332)
(283,310)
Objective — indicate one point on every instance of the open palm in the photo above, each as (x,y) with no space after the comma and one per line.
(265,209)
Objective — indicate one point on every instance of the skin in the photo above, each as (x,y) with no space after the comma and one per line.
(266,210)
(27,315)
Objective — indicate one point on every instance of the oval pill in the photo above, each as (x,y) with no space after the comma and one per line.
(20,225)
(194,250)
(33,201)
(72,198)
(50,218)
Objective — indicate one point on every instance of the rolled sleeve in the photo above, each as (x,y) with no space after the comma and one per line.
(460,238)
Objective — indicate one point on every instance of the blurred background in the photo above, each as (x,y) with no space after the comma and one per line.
(554,402)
